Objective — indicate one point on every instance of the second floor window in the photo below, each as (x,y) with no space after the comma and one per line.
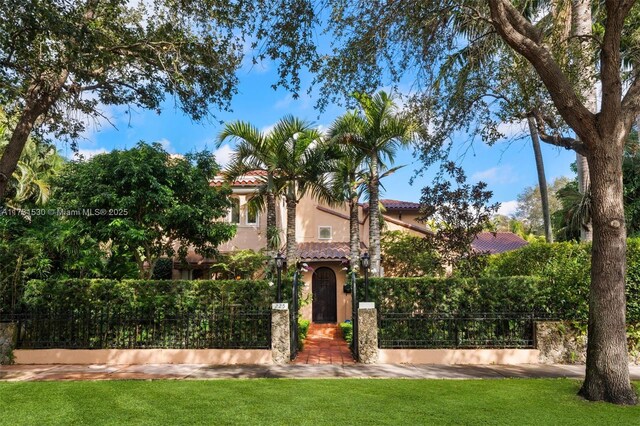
(234,215)
(252,216)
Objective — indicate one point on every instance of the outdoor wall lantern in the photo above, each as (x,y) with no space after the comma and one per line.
(365,262)
(280,264)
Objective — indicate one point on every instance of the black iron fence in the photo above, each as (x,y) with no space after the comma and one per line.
(229,327)
(455,331)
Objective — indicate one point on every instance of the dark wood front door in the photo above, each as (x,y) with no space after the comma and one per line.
(323,287)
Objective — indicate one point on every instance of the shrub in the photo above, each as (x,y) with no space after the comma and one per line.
(406,255)
(303,329)
(514,294)
(163,269)
(347,331)
(147,294)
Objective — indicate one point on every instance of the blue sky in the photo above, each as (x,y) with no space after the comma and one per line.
(507,167)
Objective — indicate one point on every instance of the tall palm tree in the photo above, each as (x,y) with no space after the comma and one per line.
(304,162)
(377,131)
(254,151)
(348,184)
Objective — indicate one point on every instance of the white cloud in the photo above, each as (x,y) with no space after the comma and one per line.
(166,145)
(223,155)
(495,175)
(511,130)
(88,153)
(508,208)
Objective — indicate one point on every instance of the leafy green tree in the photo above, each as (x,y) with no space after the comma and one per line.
(414,38)
(530,209)
(376,130)
(149,203)
(60,60)
(457,212)
(406,255)
(241,264)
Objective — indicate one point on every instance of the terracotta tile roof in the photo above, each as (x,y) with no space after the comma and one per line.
(497,242)
(421,229)
(325,251)
(396,205)
(252,178)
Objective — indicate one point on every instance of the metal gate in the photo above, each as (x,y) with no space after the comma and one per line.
(293,321)
(354,317)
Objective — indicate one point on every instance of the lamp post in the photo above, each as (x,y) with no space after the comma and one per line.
(279,265)
(365,262)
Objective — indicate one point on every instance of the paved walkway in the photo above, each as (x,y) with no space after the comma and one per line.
(293,371)
(325,345)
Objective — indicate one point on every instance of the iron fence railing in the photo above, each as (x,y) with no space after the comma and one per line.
(456,331)
(140,329)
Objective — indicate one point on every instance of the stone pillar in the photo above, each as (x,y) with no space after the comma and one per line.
(367,333)
(280,333)
(560,342)
(8,338)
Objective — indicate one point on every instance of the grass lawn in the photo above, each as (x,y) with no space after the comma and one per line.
(287,401)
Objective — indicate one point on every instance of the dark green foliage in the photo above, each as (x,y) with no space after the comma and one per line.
(163,269)
(241,264)
(406,255)
(457,295)
(457,212)
(148,202)
(347,331)
(147,294)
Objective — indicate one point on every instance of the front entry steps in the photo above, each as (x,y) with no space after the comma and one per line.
(324,345)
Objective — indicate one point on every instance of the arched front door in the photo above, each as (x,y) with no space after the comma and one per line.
(323,287)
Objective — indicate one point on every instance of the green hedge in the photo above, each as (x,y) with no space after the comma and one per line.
(156,294)
(428,294)
(551,279)
(566,268)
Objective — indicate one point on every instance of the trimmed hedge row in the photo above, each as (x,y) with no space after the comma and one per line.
(500,294)
(149,294)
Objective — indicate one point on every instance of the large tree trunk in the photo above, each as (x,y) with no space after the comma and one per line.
(542,179)
(292,247)
(582,30)
(41,95)
(354,232)
(374,218)
(272,226)
(607,375)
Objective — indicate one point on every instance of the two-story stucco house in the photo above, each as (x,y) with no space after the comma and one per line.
(322,234)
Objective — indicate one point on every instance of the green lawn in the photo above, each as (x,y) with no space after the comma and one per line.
(285,401)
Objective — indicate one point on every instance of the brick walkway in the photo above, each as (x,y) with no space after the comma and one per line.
(324,345)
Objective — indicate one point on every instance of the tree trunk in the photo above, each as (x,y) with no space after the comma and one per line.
(582,29)
(292,247)
(41,95)
(272,226)
(374,218)
(542,179)
(607,375)
(354,232)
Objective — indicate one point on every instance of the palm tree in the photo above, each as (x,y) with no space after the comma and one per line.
(304,162)
(39,163)
(349,183)
(254,152)
(377,131)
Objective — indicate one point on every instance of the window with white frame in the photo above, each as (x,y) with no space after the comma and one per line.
(234,213)
(251,216)
(324,233)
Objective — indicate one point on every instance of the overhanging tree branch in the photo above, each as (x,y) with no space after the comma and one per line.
(523,38)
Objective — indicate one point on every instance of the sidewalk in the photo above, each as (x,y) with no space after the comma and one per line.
(293,371)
